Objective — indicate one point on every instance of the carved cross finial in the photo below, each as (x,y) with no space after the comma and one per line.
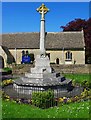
(42,9)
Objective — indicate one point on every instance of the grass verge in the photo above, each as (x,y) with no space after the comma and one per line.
(78,77)
(72,110)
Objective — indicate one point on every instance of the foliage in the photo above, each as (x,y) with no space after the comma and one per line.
(5,96)
(86,93)
(7,82)
(7,69)
(78,78)
(78,25)
(63,100)
(86,84)
(75,25)
(43,99)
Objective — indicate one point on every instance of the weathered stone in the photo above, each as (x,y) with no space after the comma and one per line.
(41,75)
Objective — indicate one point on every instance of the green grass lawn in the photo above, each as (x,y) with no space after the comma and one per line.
(72,110)
(78,77)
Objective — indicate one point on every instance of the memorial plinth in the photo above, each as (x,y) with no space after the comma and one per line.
(41,76)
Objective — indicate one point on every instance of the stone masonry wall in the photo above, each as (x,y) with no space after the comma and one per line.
(81,69)
(73,68)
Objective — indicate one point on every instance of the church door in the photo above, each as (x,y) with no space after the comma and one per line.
(1,62)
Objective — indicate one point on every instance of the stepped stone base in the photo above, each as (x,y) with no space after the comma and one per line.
(41,77)
(42,65)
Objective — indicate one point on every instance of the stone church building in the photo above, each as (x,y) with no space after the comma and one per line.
(61,47)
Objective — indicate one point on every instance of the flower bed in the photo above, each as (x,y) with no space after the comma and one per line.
(6,82)
(36,101)
(85,95)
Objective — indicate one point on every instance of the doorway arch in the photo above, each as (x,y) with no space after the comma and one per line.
(1,62)
(57,61)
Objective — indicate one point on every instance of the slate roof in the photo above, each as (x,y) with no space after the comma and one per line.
(54,40)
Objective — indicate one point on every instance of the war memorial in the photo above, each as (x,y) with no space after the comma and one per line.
(42,76)
(44,90)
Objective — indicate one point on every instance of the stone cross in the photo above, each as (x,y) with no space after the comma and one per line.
(42,10)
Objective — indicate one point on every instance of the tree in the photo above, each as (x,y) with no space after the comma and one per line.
(78,25)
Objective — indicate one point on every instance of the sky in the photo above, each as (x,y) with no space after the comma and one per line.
(23,17)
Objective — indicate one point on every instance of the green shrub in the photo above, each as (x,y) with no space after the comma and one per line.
(86,84)
(7,69)
(86,93)
(43,99)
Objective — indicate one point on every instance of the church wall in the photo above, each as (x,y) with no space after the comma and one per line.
(77,56)
(17,53)
(56,54)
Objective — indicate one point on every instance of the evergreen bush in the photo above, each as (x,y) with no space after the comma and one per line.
(43,99)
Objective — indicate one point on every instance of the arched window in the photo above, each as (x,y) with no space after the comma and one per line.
(68,55)
(23,53)
(57,61)
(27,52)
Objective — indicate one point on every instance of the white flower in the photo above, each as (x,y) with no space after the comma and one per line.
(57,108)
(88,108)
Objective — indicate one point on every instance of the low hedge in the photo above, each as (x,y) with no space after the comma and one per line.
(43,99)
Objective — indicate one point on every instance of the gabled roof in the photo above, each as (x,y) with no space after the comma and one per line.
(54,40)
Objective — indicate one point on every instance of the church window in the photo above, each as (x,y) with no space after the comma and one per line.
(57,61)
(68,55)
(23,53)
(27,52)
